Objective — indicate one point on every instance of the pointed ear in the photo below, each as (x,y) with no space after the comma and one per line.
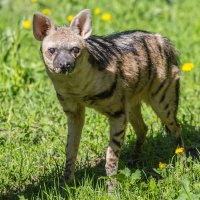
(83,23)
(41,26)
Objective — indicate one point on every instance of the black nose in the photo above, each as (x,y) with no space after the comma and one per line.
(63,62)
(65,65)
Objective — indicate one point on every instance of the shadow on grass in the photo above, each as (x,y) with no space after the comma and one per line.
(159,148)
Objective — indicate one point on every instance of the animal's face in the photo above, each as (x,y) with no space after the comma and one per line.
(61,49)
(62,46)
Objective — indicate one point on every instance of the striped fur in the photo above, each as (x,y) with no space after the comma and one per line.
(113,74)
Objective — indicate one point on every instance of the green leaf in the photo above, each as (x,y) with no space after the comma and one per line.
(126,171)
(152,184)
(135,176)
(120,177)
(182,196)
(186,184)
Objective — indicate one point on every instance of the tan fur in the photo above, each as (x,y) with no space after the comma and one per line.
(146,72)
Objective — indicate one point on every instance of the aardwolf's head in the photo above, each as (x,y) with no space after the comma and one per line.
(62,46)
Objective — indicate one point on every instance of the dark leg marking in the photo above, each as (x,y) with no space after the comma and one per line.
(117,153)
(162,98)
(68,168)
(117,143)
(168,114)
(159,88)
(59,96)
(118,133)
(164,92)
(116,114)
(110,164)
(68,163)
(167,106)
(68,112)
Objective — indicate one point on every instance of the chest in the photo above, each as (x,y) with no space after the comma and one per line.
(106,100)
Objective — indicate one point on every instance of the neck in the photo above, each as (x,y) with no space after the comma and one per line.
(81,80)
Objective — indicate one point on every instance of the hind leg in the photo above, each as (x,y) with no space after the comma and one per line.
(140,128)
(164,102)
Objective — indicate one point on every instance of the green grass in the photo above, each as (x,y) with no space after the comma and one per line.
(33,126)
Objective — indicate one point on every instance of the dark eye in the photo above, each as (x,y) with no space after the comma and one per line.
(51,50)
(75,50)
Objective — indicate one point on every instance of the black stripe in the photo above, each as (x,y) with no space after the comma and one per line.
(162,98)
(108,46)
(159,48)
(111,166)
(59,96)
(93,61)
(134,51)
(149,60)
(68,163)
(118,133)
(103,50)
(102,57)
(159,88)
(166,106)
(168,62)
(164,92)
(117,152)
(68,112)
(115,36)
(119,67)
(116,114)
(168,114)
(103,61)
(117,143)
(105,94)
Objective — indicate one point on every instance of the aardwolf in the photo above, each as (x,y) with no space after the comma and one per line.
(112,74)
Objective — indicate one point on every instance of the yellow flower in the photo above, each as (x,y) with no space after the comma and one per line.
(34,1)
(97,11)
(46,11)
(106,17)
(179,150)
(161,165)
(187,67)
(27,24)
(70,17)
